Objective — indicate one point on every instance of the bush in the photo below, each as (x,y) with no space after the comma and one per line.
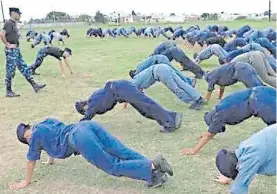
(241,18)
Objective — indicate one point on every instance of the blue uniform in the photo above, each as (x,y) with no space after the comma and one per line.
(166,75)
(178,55)
(179,33)
(258,101)
(163,46)
(256,155)
(264,42)
(242,30)
(160,59)
(93,142)
(105,99)
(232,45)
(231,73)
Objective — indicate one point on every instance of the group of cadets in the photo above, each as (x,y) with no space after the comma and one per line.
(250,58)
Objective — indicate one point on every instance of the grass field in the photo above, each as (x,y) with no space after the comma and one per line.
(94,62)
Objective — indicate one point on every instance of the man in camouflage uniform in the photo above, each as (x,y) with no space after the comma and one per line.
(10,38)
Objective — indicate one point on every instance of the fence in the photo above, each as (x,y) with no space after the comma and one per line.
(53,25)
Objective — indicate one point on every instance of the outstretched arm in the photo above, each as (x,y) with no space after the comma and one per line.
(62,68)
(30,166)
(204,139)
(68,65)
(221,92)
(208,95)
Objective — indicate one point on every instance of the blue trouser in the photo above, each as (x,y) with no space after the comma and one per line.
(263,104)
(124,91)
(254,36)
(252,47)
(14,59)
(107,153)
(175,84)
(258,47)
(247,74)
(159,32)
(242,30)
(36,42)
(229,33)
(258,101)
(211,50)
(178,33)
(264,42)
(163,46)
(40,56)
(178,55)
(162,60)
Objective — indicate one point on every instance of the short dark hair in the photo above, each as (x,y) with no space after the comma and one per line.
(20,131)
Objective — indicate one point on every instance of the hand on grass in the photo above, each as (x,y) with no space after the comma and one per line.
(188,151)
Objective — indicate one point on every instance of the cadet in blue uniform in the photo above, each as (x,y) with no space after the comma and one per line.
(54,52)
(232,45)
(45,38)
(171,51)
(159,59)
(104,100)
(230,74)
(14,59)
(258,101)
(165,74)
(95,144)
(216,40)
(256,155)
(243,30)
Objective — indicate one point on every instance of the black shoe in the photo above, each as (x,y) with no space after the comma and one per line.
(161,164)
(157,180)
(11,94)
(193,82)
(198,105)
(178,121)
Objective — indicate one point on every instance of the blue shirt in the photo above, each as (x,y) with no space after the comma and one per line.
(256,155)
(232,45)
(51,136)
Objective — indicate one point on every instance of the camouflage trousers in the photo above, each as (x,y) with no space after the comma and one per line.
(14,59)
(40,56)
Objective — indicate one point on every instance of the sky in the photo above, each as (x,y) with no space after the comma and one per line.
(39,8)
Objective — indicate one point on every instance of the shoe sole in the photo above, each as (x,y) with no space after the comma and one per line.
(167,167)
(165,179)
(178,120)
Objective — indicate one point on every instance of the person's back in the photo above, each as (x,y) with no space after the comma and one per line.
(144,79)
(263,146)
(51,136)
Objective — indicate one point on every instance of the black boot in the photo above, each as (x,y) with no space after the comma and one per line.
(10,93)
(157,180)
(36,86)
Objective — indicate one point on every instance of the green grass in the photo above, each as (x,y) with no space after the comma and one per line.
(94,62)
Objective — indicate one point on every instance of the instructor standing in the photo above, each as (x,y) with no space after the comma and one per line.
(10,38)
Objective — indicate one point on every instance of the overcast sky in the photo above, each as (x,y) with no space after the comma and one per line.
(39,8)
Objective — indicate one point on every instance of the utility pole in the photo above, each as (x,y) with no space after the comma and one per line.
(2,8)
(269,11)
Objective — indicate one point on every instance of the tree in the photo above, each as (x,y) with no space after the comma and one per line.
(172,14)
(205,16)
(57,16)
(100,18)
(85,18)
(134,13)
